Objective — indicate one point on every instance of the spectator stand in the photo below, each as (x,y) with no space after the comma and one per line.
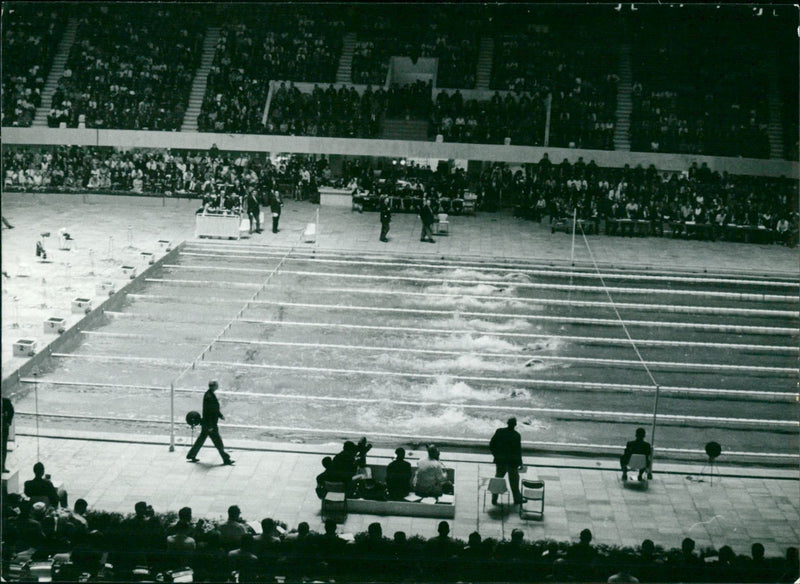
(30,37)
(300,44)
(129,68)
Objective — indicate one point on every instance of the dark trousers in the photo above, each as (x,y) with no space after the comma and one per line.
(427,232)
(255,217)
(501,468)
(4,444)
(384,231)
(213,433)
(275,223)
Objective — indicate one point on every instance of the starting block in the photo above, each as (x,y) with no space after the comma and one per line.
(146,255)
(129,271)
(105,288)
(25,348)
(310,234)
(55,325)
(81,305)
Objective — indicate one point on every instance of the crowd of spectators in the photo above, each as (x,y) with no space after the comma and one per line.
(80,544)
(520,118)
(191,174)
(449,34)
(30,37)
(700,89)
(697,197)
(261,44)
(129,68)
(579,72)
(327,112)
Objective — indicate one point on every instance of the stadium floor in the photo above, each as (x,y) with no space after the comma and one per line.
(37,291)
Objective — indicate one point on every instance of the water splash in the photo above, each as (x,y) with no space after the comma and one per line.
(470,303)
(553,344)
(517,277)
(516,324)
(464,274)
(443,388)
(481,343)
(476,290)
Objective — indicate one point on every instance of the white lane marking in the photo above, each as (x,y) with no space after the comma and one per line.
(564,287)
(543,317)
(569,338)
(523,357)
(530,271)
(687,308)
(371,433)
(546,383)
(531,285)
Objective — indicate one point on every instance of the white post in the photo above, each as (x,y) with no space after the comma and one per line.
(549,100)
(172,417)
(36,398)
(574,221)
(653,431)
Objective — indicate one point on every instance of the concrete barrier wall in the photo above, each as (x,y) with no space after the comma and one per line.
(388,148)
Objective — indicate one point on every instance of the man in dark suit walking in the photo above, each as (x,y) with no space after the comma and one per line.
(506,447)
(211,416)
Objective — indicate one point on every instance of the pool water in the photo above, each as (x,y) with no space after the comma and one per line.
(314,348)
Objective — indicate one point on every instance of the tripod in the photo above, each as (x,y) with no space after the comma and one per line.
(712,470)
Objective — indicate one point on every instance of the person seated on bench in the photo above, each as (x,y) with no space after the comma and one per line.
(431,478)
(638,446)
(398,476)
(325,475)
(41,486)
(344,466)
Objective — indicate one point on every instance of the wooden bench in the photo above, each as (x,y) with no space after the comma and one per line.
(406,508)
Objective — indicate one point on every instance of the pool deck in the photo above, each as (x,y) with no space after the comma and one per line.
(112,472)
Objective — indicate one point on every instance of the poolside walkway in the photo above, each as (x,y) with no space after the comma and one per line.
(276,480)
(113,472)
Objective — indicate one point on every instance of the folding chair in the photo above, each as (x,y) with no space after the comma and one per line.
(335,501)
(638,463)
(532,499)
(442,224)
(496,486)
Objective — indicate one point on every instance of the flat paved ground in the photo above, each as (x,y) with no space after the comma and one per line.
(275,480)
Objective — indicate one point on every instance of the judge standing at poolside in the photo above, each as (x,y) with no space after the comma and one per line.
(506,447)
(211,417)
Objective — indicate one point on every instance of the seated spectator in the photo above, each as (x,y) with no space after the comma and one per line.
(233,529)
(343,466)
(398,476)
(184,523)
(582,555)
(431,477)
(791,569)
(242,559)
(638,446)
(78,516)
(41,486)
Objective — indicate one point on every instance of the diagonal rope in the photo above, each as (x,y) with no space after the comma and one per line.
(614,306)
(638,354)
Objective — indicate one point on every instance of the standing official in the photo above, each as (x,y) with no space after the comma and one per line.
(506,447)
(386,218)
(253,210)
(426,216)
(8,418)
(211,416)
(275,205)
